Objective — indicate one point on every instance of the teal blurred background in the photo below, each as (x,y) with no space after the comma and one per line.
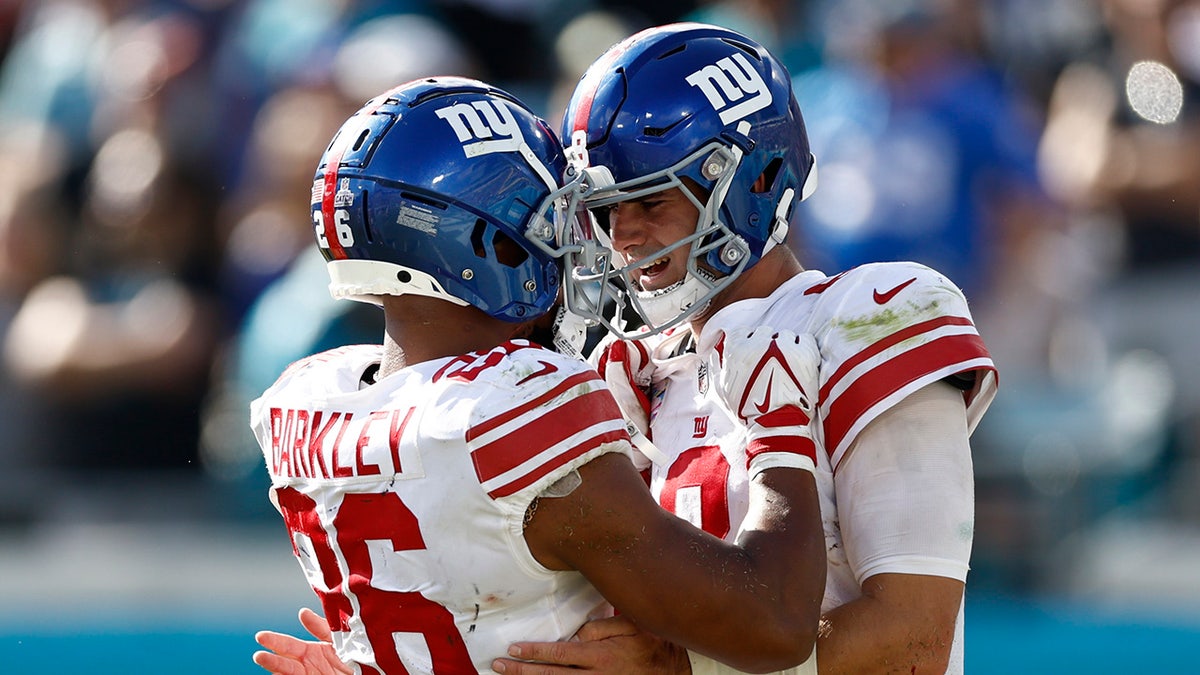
(157,273)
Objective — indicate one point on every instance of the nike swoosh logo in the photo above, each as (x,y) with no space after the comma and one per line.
(883,298)
(546,369)
(766,402)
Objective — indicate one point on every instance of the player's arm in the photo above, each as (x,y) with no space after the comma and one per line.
(906,494)
(900,619)
(753,604)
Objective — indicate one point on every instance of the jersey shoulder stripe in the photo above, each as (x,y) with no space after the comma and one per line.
(890,381)
(886,330)
(873,350)
(555,411)
(506,417)
(550,460)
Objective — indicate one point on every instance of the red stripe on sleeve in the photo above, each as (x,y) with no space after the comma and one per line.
(892,375)
(562,458)
(784,416)
(573,381)
(796,445)
(887,342)
(558,424)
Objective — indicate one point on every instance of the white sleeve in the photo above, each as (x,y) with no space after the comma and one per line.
(906,492)
(703,665)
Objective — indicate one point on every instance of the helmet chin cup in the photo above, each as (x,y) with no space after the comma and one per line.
(669,307)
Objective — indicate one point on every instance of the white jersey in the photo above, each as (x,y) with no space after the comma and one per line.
(405,498)
(884,330)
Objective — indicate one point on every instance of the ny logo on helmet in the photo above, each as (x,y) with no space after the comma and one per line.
(483,127)
(733,87)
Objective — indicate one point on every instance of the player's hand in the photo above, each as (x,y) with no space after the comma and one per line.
(612,646)
(769,379)
(290,655)
(627,369)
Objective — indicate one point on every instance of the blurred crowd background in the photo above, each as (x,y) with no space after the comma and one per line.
(157,270)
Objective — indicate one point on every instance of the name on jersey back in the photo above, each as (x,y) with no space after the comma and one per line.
(335,444)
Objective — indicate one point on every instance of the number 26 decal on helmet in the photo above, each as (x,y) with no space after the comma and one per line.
(445,187)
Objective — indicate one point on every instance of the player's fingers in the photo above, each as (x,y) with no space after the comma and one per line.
(289,656)
(511,667)
(315,624)
(280,643)
(556,653)
(608,627)
(276,664)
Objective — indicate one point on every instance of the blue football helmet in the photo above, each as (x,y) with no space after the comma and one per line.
(685,101)
(444,187)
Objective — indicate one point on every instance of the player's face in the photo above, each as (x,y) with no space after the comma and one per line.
(642,227)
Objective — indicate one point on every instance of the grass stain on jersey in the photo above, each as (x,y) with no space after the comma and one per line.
(870,328)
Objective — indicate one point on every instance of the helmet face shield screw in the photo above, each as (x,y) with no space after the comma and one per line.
(731,253)
(713,167)
(468,274)
(531,285)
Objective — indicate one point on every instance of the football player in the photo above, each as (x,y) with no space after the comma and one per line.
(461,486)
(696,152)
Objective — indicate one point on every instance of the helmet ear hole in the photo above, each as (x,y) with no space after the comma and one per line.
(505,251)
(508,252)
(766,180)
(477,239)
